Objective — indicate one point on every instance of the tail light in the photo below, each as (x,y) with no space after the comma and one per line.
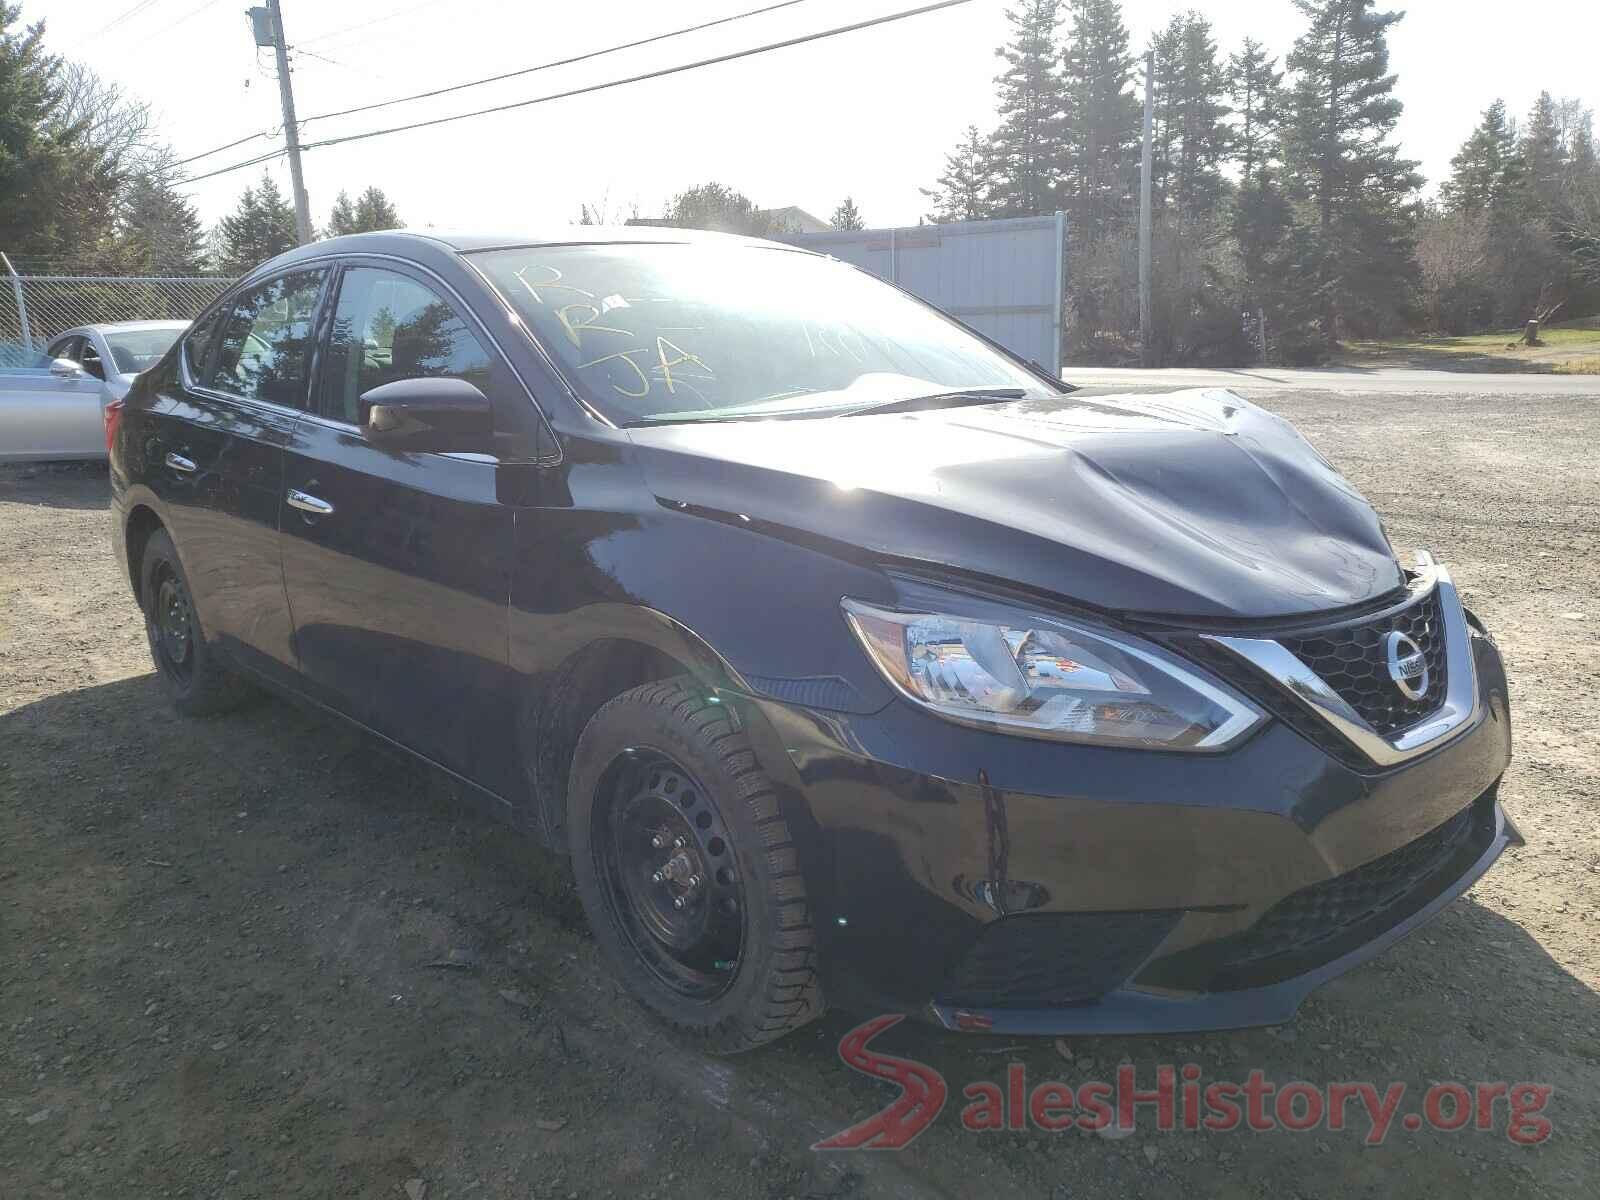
(113,417)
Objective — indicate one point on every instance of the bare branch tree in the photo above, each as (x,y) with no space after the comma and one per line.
(110,121)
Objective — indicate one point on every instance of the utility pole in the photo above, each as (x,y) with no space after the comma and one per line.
(272,35)
(1147,158)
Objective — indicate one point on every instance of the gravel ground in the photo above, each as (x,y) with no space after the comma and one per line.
(260,957)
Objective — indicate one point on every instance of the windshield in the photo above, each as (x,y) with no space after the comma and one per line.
(659,333)
(138,350)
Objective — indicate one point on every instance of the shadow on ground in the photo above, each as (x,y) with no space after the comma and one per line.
(261,956)
(79,485)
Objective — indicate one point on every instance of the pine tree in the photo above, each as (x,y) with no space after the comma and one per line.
(1164,107)
(369,214)
(1343,166)
(1543,155)
(158,230)
(342,219)
(964,188)
(1256,87)
(57,185)
(1026,148)
(1192,136)
(1558,203)
(847,216)
(261,227)
(1584,162)
(375,212)
(1485,172)
(1103,121)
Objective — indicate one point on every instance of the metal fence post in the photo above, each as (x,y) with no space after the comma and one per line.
(22,304)
(1061,293)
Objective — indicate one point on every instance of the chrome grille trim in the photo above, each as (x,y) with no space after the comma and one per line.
(1460,706)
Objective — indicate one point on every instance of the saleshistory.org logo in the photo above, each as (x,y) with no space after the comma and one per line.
(1179,1099)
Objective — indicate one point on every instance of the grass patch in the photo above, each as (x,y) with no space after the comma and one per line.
(1559,338)
(1579,366)
(1572,349)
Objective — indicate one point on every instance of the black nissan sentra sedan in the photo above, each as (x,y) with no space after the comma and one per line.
(851,659)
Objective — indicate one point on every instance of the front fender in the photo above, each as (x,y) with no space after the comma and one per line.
(602,601)
(760,607)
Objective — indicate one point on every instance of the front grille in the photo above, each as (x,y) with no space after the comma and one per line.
(1322,912)
(1046,960)
(1351,660)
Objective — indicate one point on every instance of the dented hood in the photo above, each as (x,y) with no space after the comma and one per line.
(1192,503)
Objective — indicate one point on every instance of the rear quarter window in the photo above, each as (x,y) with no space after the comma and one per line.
(197,346)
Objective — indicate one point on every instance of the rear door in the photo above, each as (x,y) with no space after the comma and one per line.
(215,449)
(397,564)
(44,415)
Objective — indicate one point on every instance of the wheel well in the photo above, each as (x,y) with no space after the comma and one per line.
(579,689)
(142,522)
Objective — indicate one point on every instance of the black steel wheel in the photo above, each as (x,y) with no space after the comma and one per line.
(173,614)
(688,871)
(193,674)
(670,876)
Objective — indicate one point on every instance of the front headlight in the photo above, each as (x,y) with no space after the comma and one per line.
(1047,678)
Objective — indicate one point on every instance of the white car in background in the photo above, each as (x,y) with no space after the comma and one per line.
(52,403)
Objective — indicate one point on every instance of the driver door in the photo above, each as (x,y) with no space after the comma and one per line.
(397,564)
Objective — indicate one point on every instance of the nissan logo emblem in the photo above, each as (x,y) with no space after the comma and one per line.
(1408,666)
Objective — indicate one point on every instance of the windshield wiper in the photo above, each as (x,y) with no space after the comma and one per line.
(956,399)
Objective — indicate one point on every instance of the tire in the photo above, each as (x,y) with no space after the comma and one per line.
(189,668)
(663,760)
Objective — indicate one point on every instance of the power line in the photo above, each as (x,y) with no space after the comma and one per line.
(127,14)
(193,12)
(300,48)
(332,62)
(404,12)
(296,51)
(600,87)
(227,146)
(250,162)
(560,62)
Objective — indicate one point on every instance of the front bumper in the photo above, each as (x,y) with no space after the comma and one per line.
(1138,1008)
(931,842)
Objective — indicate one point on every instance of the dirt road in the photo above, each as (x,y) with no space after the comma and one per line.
(257,957)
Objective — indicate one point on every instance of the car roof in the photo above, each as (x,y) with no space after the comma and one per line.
(105,327)
(393,241)
(467,241)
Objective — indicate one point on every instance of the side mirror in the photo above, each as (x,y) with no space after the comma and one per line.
(441,415)
(65,368)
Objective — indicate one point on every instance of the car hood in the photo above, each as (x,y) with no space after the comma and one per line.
(1193,503)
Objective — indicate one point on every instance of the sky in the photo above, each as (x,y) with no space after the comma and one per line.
(870,114)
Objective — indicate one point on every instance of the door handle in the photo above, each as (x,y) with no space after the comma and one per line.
(310,504)
(179,463)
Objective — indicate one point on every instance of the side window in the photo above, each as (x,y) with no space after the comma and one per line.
(197,345)
(388,327)
(91,360)
(265,340)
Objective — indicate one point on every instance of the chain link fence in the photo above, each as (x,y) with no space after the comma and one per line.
(35,308)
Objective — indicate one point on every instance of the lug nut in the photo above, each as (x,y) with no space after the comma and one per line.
(677,902)
(694,881)
(658,841)
(678,843)
(657,877)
